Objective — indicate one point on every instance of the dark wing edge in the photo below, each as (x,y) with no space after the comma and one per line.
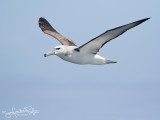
(48,29)
(109,32)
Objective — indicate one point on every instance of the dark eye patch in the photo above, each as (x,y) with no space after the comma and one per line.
(58,48)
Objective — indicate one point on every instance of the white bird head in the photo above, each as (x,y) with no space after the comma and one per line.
(58,50)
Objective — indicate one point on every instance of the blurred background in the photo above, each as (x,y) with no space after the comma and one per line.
(59,90)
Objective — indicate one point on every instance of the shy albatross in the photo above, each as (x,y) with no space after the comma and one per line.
(87,53)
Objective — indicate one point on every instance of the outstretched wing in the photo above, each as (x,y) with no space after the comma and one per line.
(95,44)
(48,29)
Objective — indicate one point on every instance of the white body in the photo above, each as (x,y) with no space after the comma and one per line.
(69,54)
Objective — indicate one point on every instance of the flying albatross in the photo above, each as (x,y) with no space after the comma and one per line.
(87,53)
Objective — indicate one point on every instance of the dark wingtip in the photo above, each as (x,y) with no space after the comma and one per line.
(42,22)
(45,55)
(146,19)
(45,25)
(143,20)
(42,19)
(140,21)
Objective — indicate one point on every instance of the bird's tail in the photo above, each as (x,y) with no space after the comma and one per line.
(109,61)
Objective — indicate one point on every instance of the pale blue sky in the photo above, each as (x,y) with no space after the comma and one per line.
(127,90)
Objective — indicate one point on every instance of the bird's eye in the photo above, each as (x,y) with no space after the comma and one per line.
(57,48)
